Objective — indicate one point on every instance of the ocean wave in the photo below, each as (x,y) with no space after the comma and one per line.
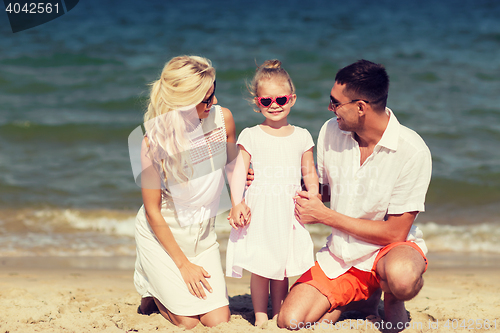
(476,238)
(66,221)
(472,238)
(66,232)
(106,233)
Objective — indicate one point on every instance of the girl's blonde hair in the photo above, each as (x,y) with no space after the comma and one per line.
(184,81)
(270,69)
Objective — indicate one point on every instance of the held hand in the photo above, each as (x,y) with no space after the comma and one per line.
(240,215)
(246,214)
(194,277)
(308,208)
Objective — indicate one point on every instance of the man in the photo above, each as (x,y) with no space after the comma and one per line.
(378,172)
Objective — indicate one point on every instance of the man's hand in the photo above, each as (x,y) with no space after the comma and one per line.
(308,208)
(250,177)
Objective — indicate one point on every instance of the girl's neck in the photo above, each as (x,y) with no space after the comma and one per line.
(276,124)
(277,129)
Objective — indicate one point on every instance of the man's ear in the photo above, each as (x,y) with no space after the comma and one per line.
(362,106)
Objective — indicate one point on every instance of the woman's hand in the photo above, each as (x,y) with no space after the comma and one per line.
(195,278)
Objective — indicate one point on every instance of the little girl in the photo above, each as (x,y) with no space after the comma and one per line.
(273,246)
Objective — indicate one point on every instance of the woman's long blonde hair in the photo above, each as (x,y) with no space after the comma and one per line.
(184,81)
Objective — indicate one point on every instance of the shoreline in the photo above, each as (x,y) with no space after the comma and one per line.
(437,260)
(98,295)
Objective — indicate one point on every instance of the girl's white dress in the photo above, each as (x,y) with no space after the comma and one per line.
(190,214)
(274,245)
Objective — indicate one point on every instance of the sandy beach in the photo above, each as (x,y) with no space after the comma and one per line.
(43,294)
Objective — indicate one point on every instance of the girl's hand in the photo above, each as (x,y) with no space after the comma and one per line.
(194,277)
(233,221)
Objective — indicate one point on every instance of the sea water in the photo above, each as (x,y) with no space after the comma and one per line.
(72,90)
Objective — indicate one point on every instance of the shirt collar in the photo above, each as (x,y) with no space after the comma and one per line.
(390,137)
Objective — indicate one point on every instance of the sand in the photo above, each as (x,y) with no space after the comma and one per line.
(42,294)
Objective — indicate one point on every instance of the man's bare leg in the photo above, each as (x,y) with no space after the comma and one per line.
(304,304)
(369,307)
(400,272)
(331,317)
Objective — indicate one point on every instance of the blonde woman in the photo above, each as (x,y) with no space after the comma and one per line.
(178,269)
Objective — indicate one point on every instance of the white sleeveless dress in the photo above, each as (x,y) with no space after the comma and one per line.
(274,245)
(190,214)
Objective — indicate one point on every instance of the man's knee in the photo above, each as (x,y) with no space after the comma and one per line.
(286,318)
(401,272)
(295,316)
(291,315)
(405,279)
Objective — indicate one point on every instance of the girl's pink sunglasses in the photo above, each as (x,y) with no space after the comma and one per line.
(280,100)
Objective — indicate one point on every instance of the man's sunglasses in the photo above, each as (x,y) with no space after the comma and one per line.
(210,98)
(334,104)
(280,100)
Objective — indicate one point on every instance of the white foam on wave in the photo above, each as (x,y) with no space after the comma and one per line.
(66,232)
(474,238)
(105,233)
(120,226)
(484,237)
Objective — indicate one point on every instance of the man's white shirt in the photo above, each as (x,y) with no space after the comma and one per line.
(393,180)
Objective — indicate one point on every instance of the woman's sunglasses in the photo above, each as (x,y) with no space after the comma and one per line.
(280,100)
(211,97)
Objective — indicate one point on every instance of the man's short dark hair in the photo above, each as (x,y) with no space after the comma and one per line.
(365,80)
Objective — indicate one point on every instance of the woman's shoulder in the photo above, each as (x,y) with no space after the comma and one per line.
(226,113)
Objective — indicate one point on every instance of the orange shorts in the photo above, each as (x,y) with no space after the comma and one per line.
(353,285)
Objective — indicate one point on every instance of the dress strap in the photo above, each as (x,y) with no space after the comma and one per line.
(219,119)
